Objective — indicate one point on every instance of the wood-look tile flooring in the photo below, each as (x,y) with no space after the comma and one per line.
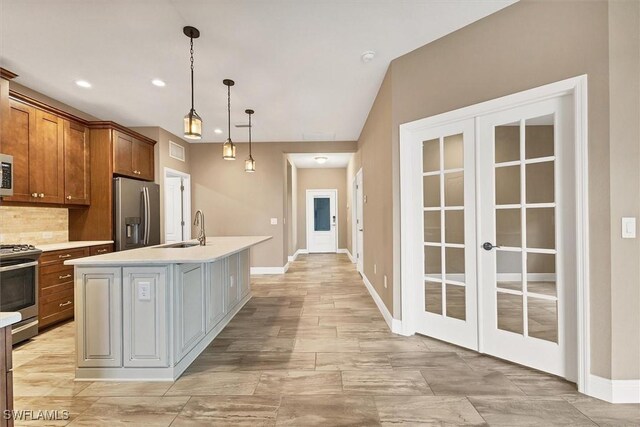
(311,348)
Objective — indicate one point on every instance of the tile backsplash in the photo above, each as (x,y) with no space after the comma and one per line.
(33,225)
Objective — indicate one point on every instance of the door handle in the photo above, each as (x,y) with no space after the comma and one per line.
(487,246)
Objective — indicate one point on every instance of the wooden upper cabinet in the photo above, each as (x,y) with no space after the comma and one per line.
(77,160)
(122,154)
(19,130)
(46,158)
(132,157)
(143,160)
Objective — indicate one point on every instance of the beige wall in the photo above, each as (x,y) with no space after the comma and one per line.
(33,225)
(238,203)
(624,137)
(163,160)
(322,178)
(375,158)
(526,45)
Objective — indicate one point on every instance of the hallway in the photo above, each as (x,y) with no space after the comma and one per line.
(311,348)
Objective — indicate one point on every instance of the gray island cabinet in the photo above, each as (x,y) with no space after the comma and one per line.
(146,314)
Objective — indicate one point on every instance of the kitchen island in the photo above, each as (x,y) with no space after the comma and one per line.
(146,314)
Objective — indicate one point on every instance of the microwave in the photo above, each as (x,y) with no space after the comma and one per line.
(6,183)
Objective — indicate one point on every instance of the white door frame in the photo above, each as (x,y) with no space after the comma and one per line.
(410,183)
(186,199)
(307,214)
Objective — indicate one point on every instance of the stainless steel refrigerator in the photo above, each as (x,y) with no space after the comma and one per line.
(136,210)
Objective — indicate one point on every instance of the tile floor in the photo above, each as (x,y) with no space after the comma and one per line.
(311,348)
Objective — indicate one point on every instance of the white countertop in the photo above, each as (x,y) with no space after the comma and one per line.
(9,318)
(72,245)
(216,248)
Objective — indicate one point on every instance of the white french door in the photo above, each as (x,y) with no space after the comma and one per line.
(322,221)
(492,235)
(527,254)
(447,302)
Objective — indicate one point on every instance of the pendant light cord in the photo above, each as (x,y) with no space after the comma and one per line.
(229,111)
(250,137)
(191,52)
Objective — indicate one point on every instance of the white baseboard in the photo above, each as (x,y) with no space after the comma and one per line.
(295,255)
(269,270)
(346,251)
(613,391)
(395,325)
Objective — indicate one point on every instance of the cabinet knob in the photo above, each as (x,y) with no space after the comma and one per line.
(68,197)
(41,195)
(34,194)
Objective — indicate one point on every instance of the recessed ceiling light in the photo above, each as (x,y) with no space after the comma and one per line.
(158,82)
(321,159)
(83,83)
(218,131)
(367,56)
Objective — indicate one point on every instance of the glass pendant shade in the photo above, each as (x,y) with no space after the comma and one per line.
(249,165)
(192,125)
(229,150)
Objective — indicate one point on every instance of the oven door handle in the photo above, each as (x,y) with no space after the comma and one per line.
(18,266)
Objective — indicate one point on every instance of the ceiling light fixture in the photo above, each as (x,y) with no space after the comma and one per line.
(217,131)
(158,82)
(229,148)
(192,121)
(321,159)
(367,56)
(83,83)
(249,164)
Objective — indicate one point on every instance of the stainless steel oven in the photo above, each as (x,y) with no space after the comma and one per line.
(19,287)
(6,175)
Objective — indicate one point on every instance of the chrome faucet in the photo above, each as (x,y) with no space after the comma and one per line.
(199,221)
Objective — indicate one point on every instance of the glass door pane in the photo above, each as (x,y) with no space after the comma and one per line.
(322,214)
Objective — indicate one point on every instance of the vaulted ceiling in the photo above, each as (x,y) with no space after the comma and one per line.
(297,63)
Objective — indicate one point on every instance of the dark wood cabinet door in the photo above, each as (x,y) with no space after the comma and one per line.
(19,131)
(143,160)
(46,158)
(77,158)
(122,154)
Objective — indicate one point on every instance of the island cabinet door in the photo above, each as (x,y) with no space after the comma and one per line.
(190,307)
(99,317)
(145,316)
(216,308)
(244,280)
(233,292)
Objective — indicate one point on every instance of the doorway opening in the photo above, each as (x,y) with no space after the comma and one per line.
(177,206)
(357,229)
(494,243)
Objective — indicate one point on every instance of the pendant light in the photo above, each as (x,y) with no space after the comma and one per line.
(249,164)
(229,148)
(192,121)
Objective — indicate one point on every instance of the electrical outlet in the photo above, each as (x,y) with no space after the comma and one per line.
(385,281)
(47,235)
(365,198)
(375,269)
(274,221)
(144,291)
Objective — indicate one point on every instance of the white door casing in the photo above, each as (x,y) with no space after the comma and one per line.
(359,227)
(177,206)
(322,221)
(575,193)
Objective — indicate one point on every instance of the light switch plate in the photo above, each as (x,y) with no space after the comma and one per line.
(628,228)
(274,221)
(144,291)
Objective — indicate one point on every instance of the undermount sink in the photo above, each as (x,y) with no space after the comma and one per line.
(179,245)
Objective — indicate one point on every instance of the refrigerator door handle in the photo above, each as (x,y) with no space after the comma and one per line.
(147,216)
